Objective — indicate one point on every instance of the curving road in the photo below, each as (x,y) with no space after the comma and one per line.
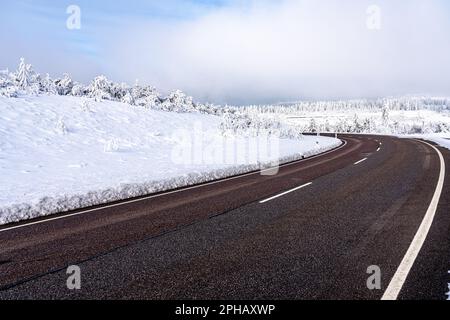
(309,232)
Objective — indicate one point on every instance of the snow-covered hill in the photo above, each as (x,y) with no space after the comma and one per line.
(61,152)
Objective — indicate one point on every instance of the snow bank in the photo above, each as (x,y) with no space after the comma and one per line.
(59,153)
(441,139)
(443,142)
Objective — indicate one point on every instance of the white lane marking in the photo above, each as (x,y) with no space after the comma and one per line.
(168,192)
(399,278)
(378,149)
(358,162)
(285,193)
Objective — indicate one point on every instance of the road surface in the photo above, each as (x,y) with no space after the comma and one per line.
(310,232)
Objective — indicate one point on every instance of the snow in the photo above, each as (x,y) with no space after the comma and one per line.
(363,121)
(395,116)
(442,140)
(59,153)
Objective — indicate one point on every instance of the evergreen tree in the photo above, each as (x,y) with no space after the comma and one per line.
(23,75)
(385,113)
(100,88)
(128,98)
(64,86)
(312,126)
(47,85)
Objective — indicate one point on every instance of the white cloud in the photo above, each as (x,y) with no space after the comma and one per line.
(292,49)
(250,51)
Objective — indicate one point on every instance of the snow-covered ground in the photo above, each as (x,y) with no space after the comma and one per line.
(59,153)
(442,139)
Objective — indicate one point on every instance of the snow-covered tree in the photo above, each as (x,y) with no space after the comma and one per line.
(7,90)
(128,98)
(368,125)
(327,127)
(147,97)
(78,90)
(178,101)
(312,126)
(65,85)
(8,87)
(385,114)
(119,91)
(47,85)
(24,75)
(100,88)
(357,127)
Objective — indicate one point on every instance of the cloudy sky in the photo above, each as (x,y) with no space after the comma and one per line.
(240,51)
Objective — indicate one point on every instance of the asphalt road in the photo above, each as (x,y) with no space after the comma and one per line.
(223,241)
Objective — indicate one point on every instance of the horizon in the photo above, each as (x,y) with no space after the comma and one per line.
(279,103)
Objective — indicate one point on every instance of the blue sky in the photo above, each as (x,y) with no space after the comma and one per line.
(40,23)
(239,51)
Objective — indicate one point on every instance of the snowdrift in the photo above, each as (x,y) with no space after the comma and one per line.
(59,153)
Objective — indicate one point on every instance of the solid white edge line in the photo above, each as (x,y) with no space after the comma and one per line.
(358,162)
(286,192)
(169,192)
(399,278)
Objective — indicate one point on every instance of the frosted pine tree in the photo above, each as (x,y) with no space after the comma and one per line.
(47,85)
(64,85)
(78,90)
(119,91)
(357,127)
(179,102)
(385,113)
(23,75)
(128,98)
(149,98)
(7,86)
(100,88)
(312,126)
